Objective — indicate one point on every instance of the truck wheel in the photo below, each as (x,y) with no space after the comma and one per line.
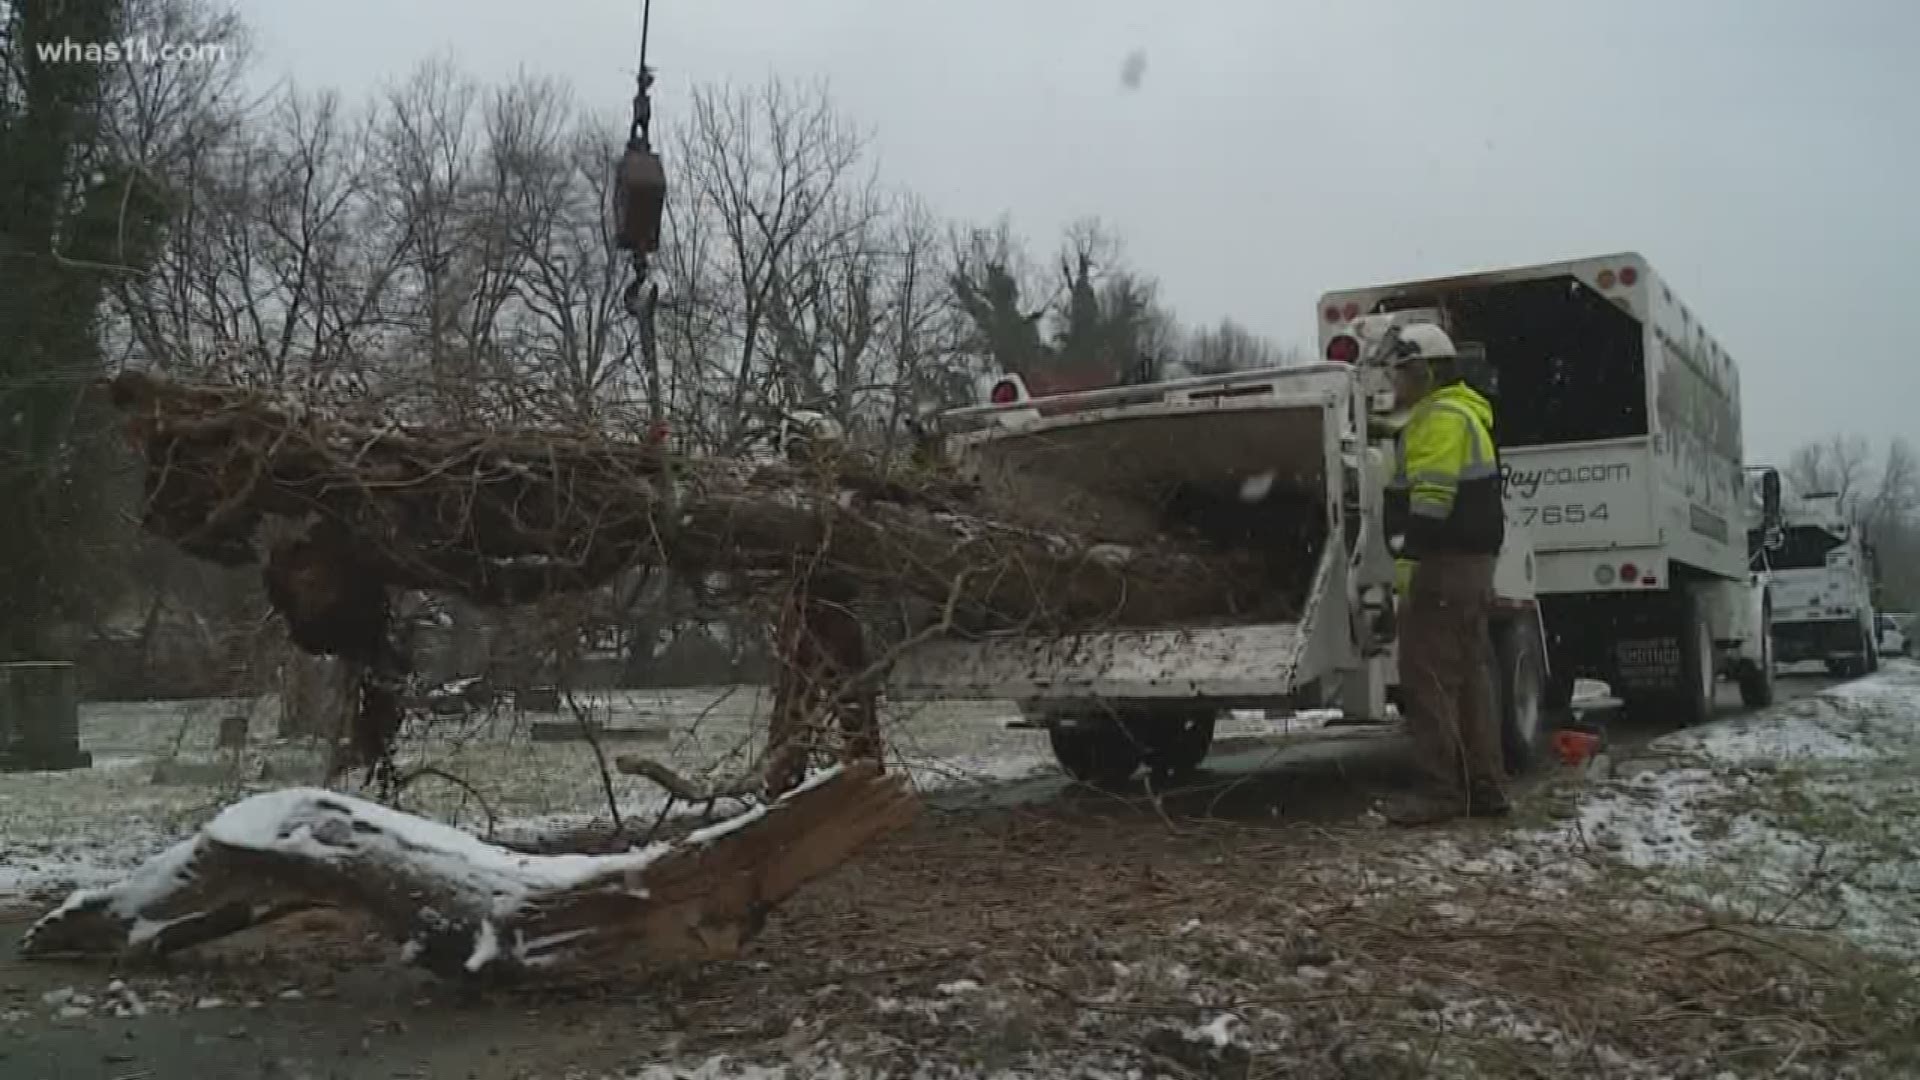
(1692,701)
(1520,690)
(1177,744)
(1096,751)
(1756,680)
(1698,672)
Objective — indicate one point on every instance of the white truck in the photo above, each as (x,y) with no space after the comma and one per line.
(1284,457)
(1822,581)
(1618,422)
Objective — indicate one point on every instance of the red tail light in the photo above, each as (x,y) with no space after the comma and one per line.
(1004,392)
(1332,313)
(1344,349)
(1629,573)
(1628,275)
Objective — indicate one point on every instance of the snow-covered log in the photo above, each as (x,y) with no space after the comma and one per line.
(464,907)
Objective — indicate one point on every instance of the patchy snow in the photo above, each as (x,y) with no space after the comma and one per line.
(158,775)
(1221,1032)
(1806,731)
(486,947)
(1804,815)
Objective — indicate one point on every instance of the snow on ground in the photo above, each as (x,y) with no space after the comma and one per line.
(1059,943)
(157,775)
(1805,816)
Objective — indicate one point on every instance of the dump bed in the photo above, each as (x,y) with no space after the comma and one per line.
(1257,458)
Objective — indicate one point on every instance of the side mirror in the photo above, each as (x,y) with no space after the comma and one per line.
(1770,497)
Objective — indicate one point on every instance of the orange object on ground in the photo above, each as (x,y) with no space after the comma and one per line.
(1574,747)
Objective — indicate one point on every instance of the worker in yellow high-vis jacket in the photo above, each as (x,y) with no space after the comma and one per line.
(1444,502)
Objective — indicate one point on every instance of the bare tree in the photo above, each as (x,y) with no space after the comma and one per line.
(1230,346)
(1839,465)
(762,176)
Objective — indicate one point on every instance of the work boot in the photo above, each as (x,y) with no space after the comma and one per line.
(1423,808)
(1486,799)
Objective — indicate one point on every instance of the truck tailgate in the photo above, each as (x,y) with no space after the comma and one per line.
(1587,496)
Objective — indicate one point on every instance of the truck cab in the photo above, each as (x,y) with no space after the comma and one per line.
(1822,584)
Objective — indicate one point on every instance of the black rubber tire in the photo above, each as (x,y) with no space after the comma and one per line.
(1098,753)
(1697,669)
(1692,702)
(1756,680)
(1521,695)
(1177,744)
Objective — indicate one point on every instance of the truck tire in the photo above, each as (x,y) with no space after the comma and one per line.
(1176,744)
(1104,750)
(1756,679)
(1095,751)
(1699,673)
(1520,693)
(1691,702)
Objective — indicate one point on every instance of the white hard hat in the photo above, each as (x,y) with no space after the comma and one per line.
(1423,341)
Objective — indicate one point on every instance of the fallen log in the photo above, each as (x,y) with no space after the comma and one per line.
(506,518)
(341,512)
(467,908)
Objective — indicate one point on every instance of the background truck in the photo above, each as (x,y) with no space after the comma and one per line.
(1618,420)
(1284,460)
(1822,580)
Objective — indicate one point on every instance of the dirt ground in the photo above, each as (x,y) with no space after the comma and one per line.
(1256,924)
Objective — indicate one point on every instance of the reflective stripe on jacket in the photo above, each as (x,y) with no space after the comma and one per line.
(1446,480)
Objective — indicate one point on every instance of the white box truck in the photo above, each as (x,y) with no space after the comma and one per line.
(1822,581)
(1618,422)
(1285,459)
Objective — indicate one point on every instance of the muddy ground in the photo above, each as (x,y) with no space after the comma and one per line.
(1256,923)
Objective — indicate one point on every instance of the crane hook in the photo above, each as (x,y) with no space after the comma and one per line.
(640,183)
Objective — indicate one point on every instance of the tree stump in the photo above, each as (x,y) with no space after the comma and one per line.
(40,703)
(820,684)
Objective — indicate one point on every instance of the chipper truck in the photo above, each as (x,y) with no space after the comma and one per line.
(1618,422)
(1822,580)
(1292,460)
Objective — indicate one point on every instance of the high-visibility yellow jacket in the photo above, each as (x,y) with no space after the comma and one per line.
(1445,492)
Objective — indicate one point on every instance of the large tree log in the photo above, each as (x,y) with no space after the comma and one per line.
(505,518)
(464,907)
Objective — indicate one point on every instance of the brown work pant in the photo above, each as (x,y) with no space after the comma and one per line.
(1446,691)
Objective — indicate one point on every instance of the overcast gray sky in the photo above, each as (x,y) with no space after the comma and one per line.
(1763,154)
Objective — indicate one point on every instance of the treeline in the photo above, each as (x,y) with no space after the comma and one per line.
(1880,487)
(442,251)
